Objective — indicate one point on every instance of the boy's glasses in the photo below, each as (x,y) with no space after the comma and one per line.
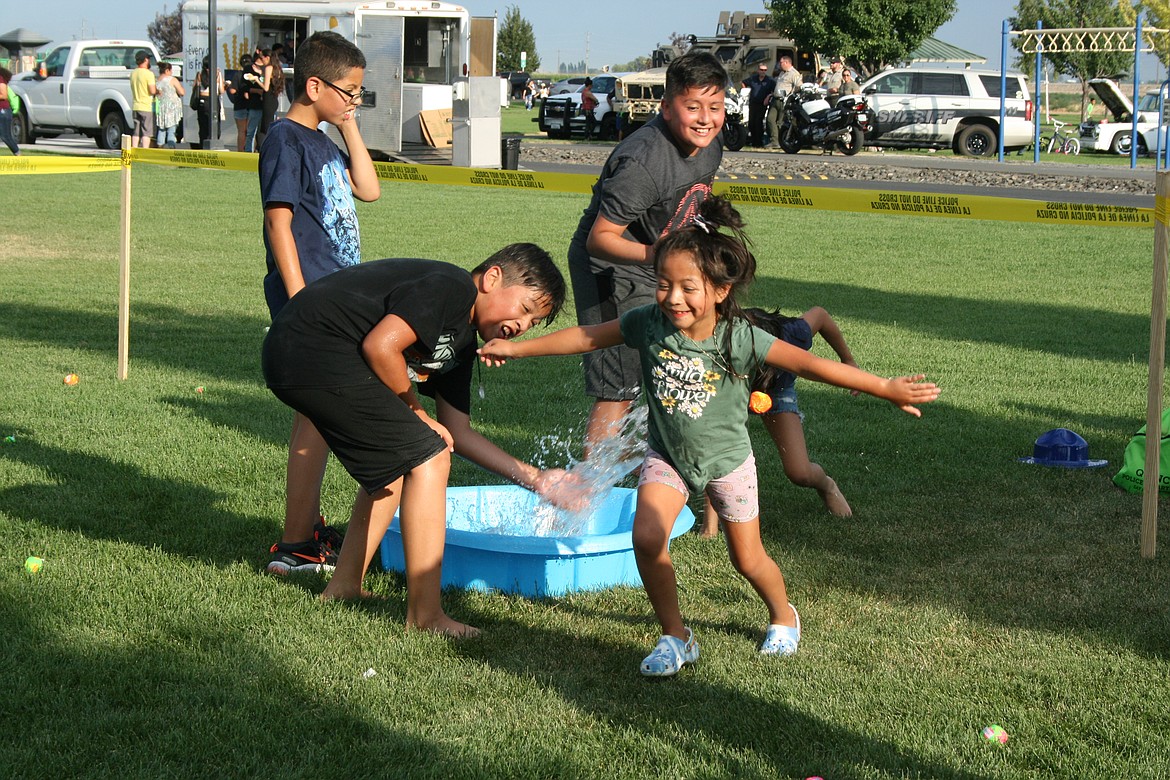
(353,98)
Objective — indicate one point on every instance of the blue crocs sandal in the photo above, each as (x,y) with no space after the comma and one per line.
(782,640)
(670,655)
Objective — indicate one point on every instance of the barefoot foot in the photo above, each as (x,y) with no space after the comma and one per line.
(445,626)
(834,501)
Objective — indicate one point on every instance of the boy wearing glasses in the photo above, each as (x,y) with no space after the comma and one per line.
(307,188)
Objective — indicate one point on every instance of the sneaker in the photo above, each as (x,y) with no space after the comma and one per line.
(297,558)
(329,539)
(670,655)
(782,640)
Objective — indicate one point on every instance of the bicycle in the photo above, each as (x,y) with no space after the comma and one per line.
(1059,142)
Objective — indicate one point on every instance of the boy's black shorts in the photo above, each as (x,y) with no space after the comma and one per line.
(375,436)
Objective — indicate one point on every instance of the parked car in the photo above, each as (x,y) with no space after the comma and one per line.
(567,85)
(1113,132)
(80,87)
(517,80)
(561,115)
(948,109)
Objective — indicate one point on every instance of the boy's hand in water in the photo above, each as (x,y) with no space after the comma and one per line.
(495,352)
(563,489)
(905,391)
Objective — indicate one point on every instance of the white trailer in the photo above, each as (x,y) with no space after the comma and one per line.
(415,50)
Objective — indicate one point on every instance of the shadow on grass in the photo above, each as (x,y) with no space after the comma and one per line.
(212,345)
(688,712)
(192,696)
(104,499)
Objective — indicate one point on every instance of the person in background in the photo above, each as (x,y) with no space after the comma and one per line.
(238,93)
(273,89)
(143,91)
(254,78)
(760,87)
(832,80)
(6,113)
(589,105)
(170,106)
(788,80)
(849,85)
(202,97)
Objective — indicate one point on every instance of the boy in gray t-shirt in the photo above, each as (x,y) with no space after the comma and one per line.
(652,183)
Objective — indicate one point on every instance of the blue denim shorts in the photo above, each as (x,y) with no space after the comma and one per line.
(783,399)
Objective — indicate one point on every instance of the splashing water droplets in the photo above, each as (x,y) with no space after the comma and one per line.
(590,481)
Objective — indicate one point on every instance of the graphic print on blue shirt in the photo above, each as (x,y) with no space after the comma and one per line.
(339,216)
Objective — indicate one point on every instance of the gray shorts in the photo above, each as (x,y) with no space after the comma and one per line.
(144,124)
(603,292)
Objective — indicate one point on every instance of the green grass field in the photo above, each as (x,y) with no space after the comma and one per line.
(969,589)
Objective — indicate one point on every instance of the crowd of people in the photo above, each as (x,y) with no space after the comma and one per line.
(254,94)
(768,88)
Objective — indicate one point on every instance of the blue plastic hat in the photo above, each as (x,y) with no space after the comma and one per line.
(1062,448)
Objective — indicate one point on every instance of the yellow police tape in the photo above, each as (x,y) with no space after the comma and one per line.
(746,191)
(27,164)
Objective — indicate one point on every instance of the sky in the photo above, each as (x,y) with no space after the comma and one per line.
(598,31)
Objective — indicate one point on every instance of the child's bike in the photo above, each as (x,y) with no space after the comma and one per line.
(1059,142)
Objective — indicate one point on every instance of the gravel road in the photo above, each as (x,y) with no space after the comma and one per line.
(1014,172)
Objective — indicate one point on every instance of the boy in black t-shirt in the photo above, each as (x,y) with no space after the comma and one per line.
(344,353)
(307,187)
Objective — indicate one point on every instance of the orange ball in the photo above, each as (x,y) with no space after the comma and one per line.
(760,402)
(72,379)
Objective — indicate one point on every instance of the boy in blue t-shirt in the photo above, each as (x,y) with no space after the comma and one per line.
(307,187)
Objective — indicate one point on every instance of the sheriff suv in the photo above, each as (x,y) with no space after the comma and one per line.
(947,109)
(561,116)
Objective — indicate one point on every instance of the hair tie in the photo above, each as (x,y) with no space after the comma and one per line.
(707,227)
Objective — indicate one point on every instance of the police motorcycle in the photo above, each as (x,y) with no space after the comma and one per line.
(807,121)
(735,107)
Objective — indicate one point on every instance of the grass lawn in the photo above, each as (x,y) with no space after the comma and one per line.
(969,589)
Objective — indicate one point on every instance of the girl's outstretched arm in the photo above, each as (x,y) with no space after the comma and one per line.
(903,391)
(568,341)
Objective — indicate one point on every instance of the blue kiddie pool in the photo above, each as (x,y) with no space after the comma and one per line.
(493,543)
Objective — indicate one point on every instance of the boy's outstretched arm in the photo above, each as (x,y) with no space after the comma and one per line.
(483,452)
(903,391)
(568,341)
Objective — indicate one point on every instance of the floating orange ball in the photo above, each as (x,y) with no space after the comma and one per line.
(760,402)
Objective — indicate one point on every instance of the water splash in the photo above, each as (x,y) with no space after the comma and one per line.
(592,479)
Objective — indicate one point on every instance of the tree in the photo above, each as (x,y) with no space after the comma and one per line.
(166,31)
(516,36)
(1072,14)
(1157,16)
(868,34)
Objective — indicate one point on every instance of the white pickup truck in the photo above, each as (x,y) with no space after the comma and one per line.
(81,87)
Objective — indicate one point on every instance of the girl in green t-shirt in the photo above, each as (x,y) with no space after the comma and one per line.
(698,353)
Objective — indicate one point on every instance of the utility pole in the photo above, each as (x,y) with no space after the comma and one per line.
(586,54)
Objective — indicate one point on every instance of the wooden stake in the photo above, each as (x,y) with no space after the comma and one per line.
(124,268)
(1149,537)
